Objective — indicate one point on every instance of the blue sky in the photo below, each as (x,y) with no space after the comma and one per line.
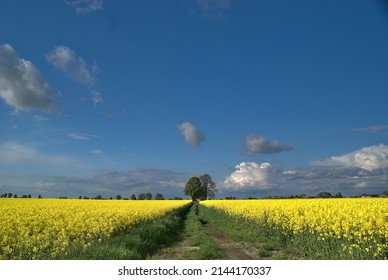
(121,97)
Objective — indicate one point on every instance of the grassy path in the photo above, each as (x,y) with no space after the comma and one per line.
(194,243)
(233,250)
(138,242)
(200,240)
(255,240)
(193,232)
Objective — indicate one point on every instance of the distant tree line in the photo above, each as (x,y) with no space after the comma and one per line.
(319,195)
(199,188)
(11,195)
(141,196)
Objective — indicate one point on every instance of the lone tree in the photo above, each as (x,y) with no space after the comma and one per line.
(208,187)
(324,195)
(201,187)
(194,188)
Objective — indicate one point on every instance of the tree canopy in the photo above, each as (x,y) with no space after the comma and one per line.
(201,187)
(193,188)
(208,187)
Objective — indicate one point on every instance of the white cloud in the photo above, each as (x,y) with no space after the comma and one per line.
(290,172)
(11,152)
(248,175)
(109,161)
(214,9)
(96,152)
(257,144)
(361,185)
(79,136)
(106,183)
(192,135)
(75,67)
(368,158)
(21,84)
(39,118)
(20,154)
(372,129)
(96,98)
(85,6)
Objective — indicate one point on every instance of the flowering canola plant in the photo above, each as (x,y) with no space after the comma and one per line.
(360,225)
(48,228)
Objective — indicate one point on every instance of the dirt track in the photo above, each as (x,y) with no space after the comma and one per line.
(183,251)
(233,251)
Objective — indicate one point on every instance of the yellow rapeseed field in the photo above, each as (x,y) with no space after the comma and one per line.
(47,228)
(358,224)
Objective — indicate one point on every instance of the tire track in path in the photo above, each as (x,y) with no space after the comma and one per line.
(189,248)
(233,251)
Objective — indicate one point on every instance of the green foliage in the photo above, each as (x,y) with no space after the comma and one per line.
(139,241)
(268,242)
(324,195)
(196,235)
(194,188)
(201,187)
(208,187)
(274,242)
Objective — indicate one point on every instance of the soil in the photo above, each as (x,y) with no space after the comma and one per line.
(182,250)
(233,251)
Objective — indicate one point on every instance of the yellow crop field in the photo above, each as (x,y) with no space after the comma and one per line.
(47,228)
(359,225)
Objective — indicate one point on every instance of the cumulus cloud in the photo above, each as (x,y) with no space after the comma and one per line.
(21,84)
(20,154)
(291,174)
(255,179)
(192,135)
(72,65)
(368,158)
(350,177)
(257,144)
(85,6)
(248,175)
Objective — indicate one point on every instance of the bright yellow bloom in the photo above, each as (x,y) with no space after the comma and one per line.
(360,222)
(47,228)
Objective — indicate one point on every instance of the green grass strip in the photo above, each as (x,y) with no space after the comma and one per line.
(139,241)
(196,235)
(268,243)
(275,243)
